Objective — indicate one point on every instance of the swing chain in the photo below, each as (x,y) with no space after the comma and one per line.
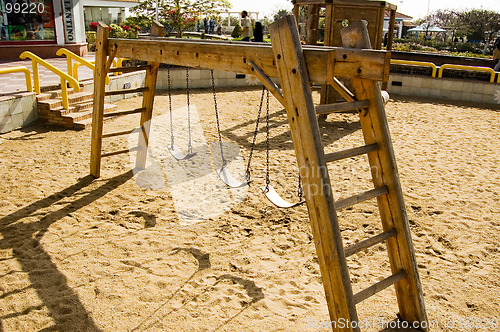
(190,145)
(247,173)
(300,190)
(170,108)
(224,164)
(266,190)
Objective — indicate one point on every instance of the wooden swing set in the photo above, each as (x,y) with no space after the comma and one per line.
(297,68)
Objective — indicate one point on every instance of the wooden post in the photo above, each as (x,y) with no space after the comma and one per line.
(390,36)
(147,103)
(304,127)
(99,90)
(384,172)
(312,24)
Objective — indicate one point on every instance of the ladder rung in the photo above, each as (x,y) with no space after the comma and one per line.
(119,133)
(346,106)
(342,203)
(121,92)
(381,285)
(128,69)
(369,242)
(137,110)
(119,152)
(329,157)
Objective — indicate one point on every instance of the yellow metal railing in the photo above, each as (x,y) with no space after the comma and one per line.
(20,69)
(79,61)
(35,61)
(416,63)
(473,68)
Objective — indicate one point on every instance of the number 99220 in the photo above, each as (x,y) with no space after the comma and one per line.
(25,8)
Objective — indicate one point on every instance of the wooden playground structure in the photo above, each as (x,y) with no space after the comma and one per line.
(297,68)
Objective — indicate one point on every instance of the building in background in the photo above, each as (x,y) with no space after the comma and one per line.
(402,24)
(44,26)
(107,11)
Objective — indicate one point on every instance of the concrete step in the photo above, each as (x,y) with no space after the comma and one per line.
(86,121)
(54,103)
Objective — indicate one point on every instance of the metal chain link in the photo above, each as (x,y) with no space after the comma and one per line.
(170,108)
(247,173)
(190,146)
(224,164)
(300,190)
(267,144)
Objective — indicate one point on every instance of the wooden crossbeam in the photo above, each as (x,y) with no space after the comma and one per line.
(121,92)
(339,155)
(379,286)
(365,244)
(234,57)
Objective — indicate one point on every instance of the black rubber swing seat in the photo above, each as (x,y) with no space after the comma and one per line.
(277,200)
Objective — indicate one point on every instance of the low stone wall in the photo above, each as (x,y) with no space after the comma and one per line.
(17,111)
(445,88)
(20,110)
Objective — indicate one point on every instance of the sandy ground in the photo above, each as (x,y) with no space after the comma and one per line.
(173,249)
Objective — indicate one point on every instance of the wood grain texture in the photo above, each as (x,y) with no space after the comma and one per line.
(99,92)
(292,68)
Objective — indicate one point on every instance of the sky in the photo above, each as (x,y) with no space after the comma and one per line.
(415,8)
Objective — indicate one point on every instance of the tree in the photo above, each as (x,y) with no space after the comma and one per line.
(481,24)
(180,14)
(280,13)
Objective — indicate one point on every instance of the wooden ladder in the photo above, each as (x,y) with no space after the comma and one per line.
(103,63)
(312,161)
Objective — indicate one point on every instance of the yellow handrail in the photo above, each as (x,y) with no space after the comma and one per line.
(79,61)
(416,63)
(77,65)
(35,60)
(485,69)
(22,69)
(119,63)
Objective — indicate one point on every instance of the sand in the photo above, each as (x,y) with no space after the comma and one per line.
(173,249)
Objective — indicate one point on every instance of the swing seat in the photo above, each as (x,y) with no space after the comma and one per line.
(276,199)
(178,154)
(228,179)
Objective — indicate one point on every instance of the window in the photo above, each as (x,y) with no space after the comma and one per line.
(108,15)
(26,20)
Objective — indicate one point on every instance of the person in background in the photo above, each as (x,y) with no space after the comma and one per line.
(496,56)
(258,34)
(246,25)
(211,28)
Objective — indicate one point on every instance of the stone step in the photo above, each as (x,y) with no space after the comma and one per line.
(53,103)
(87,121)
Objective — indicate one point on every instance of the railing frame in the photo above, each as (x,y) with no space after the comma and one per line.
(20,69)
(35,60)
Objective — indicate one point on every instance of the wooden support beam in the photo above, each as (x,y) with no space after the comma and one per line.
(345,202)
(342,107)
(384,173)
(127,112)
(147,103)
(235,57)
(334,156)
(121,92)
(365,244)
(379,286)
(295,83)
(119,133)
(99,90)
(268,83)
